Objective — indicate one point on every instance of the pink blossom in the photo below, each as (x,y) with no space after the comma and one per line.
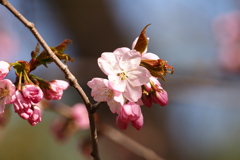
(155,94)
(4,69)
(56,90)
(26,109)
(120,123)
(22,105)
(145,55)
(124,73)
(146,100)
(59,129)
(32,92)
(130,112)
(80,116)
(36,116)
(159,95)
(138,123)
(102,93)
(7,90)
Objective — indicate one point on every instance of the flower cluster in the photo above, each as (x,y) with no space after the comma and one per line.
(28,90)
(132,81)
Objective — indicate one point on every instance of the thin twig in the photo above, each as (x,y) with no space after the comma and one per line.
(64,69)
(129,143)
(113,134)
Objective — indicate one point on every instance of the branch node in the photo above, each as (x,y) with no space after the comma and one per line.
(30,25)
(4,2)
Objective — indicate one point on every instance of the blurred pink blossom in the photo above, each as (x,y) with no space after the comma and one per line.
(226,29)
(9,44)
(79,114)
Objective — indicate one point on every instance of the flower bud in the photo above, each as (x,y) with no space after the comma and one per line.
(80,116)
(121,124)
(55,91)
(138,123)
(130,112)
(32,92)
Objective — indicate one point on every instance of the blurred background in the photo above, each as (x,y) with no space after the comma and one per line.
(199,38)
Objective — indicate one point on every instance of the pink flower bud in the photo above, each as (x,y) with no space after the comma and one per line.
(36,116)
(32,92)
(21,102)
(160,97)
(80,116)
(130,112)
(121,124)
(4,69)
(158,94)
(138,123)
(56,91)
(146,100)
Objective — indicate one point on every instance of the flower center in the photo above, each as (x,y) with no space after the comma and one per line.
(122,75)
(3,93)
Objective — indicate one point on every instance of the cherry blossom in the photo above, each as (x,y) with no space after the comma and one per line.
(138,123)
(22,105)
(32,92)
(36,116)
(132,115)
(4,69)
(7,90)
(153,92)
(102,93)
(80,116)
(120,123)
(130,112)
(56,89)
(124,73)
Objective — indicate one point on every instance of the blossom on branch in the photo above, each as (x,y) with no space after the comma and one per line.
(132,81)
(34,93)
(7,91)
(4,69)
(101,92)
(55,91)
(124,72)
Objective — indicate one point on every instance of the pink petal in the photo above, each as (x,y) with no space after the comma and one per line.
(107,63)
(132,93)
(116,83)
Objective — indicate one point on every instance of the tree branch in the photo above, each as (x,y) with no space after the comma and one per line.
(65,70)
(113,134)
(129,143)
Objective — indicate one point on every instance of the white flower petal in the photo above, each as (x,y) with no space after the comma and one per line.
(116,83)
(107,63)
